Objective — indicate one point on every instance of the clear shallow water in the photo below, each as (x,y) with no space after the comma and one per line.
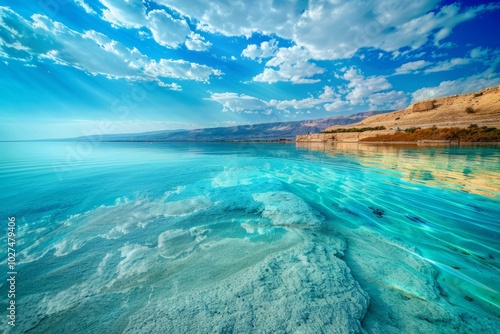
(137,237)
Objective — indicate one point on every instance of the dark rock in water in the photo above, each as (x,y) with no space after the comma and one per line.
(491,256)
(475,207)
(415,219)
(377,212)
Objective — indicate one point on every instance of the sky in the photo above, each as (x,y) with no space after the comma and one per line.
(79,67)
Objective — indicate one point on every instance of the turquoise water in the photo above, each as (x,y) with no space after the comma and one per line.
(252,238)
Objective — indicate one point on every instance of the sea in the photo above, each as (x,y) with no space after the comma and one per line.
(136,237)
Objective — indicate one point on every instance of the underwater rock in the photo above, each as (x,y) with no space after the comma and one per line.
(415,219)
(377,212)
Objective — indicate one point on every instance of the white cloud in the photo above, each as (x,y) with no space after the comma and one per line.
(362,87)
(173,86)
(91,52)
(447,65)
(238,102)
(450,16)
(479,52)
(327,99)
(85,7)
(180,69)
(328,96)
(292,65)
(485,56)
(460,86)
(412,66)
(265,50)
(321,27)
(166,30)
(196,42)
(127,14)
(361,90)
(240,18)
(338,105)
(392,100)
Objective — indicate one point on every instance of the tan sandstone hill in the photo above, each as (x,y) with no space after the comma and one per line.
(449,111)
(444,112)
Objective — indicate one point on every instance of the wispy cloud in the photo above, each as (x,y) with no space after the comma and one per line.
(460,86)
(85,7)
(92,52)
(412,66)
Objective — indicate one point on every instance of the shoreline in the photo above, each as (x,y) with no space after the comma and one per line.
(423,142)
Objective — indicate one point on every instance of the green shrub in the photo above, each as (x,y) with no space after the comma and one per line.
(412,129)
(470,110)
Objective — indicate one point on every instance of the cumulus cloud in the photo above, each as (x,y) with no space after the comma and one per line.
(338,105)
(196,42)
(361,87)
(92,52)
(127,14)
(265,50)
(320,27)
(359,90)
(166,30)
(239,18)
(362,90)
(385,25)
(290,65)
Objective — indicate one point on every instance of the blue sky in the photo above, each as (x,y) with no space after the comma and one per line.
(77,67)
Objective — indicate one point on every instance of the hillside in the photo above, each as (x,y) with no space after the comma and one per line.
(449,111)
(265,131)
(481,108)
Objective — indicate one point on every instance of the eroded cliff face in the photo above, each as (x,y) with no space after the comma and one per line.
(424,105)
(341,137)
(450,111)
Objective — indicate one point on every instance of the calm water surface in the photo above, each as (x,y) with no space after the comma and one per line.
(264,238)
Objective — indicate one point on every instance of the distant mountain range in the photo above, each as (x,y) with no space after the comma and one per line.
(265,131)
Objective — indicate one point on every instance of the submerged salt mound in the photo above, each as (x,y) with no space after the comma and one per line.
(287,210)
(111,222)
(404,294)
(305,289)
